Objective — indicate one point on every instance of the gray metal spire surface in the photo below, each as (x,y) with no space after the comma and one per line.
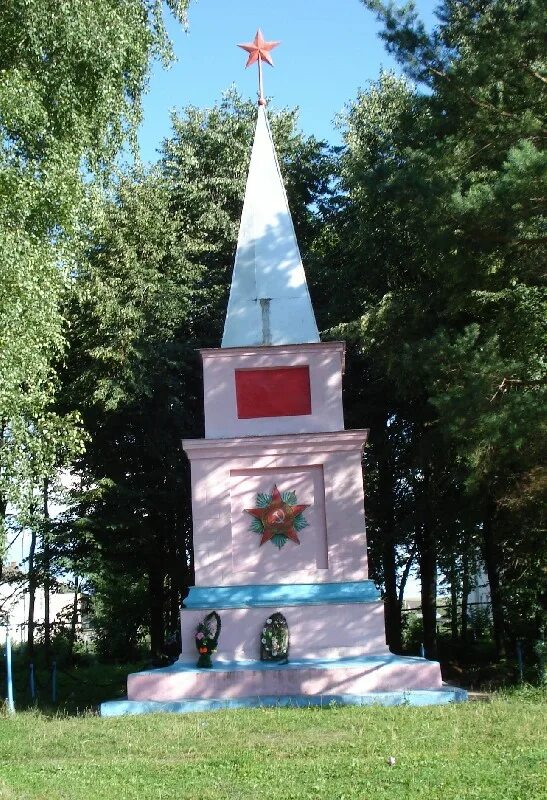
(269,300)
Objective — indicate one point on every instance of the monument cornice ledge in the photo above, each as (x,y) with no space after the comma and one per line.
(281,594)
(277,444)
(277,349)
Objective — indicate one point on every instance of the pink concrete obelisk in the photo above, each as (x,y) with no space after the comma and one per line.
(277,494)
(274,423)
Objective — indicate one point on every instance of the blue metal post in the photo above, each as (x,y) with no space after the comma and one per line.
(32,682)
(9,676)
(54,682)
(422,651)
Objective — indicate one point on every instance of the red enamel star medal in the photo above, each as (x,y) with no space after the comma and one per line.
(278,517)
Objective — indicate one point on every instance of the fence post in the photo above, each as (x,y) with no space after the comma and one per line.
(53,682)
(32,682)
(520,660)
(9,675)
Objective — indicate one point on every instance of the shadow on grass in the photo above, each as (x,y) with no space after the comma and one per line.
(79,690)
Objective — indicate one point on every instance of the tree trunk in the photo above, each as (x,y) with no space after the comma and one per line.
(156,594)
(406,573)
(31,592)
(453,598)
(47,567)
(465,594)
(492,560)
(176,580)
(3,510)
(74,615)
(428,574)
(386,506)
(391,600)
(186,548)
(3,500)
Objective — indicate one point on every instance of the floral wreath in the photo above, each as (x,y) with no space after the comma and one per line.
(206,636)
(274,639)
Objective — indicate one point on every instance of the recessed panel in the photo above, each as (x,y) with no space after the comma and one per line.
(278,521)
(275,392)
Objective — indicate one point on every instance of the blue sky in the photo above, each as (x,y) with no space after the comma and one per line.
(329,49)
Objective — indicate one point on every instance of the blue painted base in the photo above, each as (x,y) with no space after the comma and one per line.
(279,595)
(416,697)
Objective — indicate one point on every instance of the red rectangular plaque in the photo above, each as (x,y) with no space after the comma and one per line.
(275,392)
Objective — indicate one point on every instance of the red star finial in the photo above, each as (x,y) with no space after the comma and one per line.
(259,50)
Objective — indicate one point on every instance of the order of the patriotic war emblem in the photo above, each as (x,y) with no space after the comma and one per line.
(278,517)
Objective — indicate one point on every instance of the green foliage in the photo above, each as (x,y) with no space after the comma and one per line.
(413,634)
(72,77)
(540,652)
(120,616)
(440,230)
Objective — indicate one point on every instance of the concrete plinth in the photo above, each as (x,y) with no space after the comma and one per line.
(369,680)
(306,677)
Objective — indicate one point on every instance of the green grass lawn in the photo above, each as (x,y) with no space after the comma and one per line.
(474,750)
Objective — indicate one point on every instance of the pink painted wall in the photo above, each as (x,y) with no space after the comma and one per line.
(247,554)
(324,469)
(322,631)
(325,362)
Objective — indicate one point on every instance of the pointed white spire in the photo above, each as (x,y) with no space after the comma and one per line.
(269,299)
